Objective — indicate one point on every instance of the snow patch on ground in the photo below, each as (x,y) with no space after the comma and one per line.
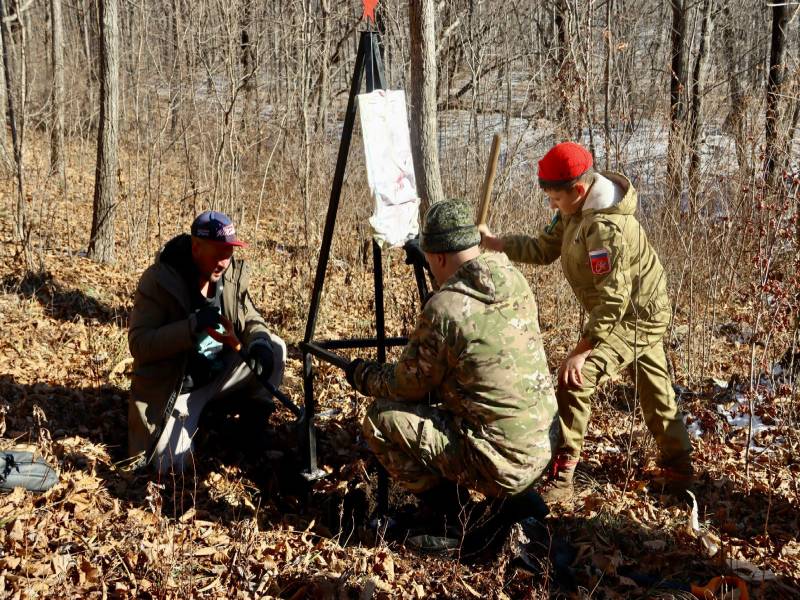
(695,429)
(738,416)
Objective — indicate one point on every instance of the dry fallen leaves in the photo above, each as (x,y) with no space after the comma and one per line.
(101,532)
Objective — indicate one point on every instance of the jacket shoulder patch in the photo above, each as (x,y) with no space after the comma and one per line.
(600,261)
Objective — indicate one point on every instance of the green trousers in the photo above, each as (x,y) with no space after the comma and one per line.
(420,445)
(416,443)
(644,352)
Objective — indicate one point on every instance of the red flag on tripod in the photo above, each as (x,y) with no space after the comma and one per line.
(369,9)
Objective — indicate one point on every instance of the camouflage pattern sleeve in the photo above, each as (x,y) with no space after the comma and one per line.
(540,250)
(609,262)
(420,369)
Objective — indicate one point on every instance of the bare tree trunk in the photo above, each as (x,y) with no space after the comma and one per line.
(21,221)
(248,57)
(323,82)
(101,242)
(695,116)
(304,53)
(57,107)
(677,85)
(587,102)
(777,66)
(734,122)
(607,84)
(424,138)
(175,80)
(565,69)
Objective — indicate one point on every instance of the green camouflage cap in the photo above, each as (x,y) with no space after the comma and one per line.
(449,227)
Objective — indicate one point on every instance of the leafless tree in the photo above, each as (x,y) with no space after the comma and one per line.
(677,86)
(777,66)
(57,106)
(696,92)
(424,139)
(102,237)
(21,229)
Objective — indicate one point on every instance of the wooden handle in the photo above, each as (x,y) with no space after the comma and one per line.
(488,180)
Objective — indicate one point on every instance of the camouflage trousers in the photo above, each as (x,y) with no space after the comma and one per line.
(419,445)
(642,351)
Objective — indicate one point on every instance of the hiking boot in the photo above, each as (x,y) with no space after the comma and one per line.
(503,513)
(559,487)
(674,476)
(440,507)
(437,513)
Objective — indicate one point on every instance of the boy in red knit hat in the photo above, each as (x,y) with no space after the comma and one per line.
(618,279)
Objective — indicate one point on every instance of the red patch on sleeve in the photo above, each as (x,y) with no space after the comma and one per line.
(600,261)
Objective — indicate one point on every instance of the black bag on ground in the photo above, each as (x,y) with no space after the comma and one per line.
(19,468)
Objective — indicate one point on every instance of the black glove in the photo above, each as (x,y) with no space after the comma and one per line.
(350,370)
(261,360)
(414,254)
(206,317)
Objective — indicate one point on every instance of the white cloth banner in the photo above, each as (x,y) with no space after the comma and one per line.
(390,169)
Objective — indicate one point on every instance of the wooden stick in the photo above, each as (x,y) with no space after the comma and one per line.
(488,180)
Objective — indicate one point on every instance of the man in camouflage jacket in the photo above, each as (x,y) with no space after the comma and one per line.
(470,399)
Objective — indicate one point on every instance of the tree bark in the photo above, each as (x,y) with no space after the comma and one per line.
(57,99)
(777,66)
(20,221)
(323,81)
(734,122)
(566,75)
(695,117)
(677,85)
(424,138)
(175,81)
(607,83)
(101,242)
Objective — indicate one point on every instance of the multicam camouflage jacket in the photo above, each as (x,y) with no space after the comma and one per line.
(477,352)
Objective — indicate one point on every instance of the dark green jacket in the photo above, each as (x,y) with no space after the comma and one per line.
(160,339)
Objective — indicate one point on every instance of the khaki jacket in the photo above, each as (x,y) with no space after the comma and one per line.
(160,338)
(609,263)
(478,351)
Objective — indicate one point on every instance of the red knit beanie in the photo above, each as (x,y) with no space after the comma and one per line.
(564,161)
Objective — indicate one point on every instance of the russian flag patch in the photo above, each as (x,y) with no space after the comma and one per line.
(600,261)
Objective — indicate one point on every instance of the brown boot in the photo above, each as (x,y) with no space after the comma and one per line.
(675,475)
(559,488)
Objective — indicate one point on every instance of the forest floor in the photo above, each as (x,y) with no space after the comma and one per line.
(244,526)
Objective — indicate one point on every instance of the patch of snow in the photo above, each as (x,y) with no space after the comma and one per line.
(695,429)
(608,449)
(743,421)
(759,449)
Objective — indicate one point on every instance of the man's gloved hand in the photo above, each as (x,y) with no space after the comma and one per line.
(261,360)
(350,370)
(414,254)
(208,316)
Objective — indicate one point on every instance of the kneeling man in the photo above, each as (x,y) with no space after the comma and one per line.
(470,400)
(178,367)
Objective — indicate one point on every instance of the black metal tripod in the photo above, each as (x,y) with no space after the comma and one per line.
(369,63)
